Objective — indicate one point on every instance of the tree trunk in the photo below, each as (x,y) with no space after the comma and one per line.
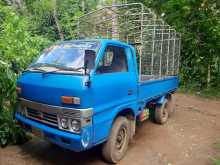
(56,20)
(19,4)
(209,75)
(114,22)
(9,2)
(83,6)
(218,72)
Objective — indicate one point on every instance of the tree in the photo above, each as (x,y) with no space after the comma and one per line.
(54,6)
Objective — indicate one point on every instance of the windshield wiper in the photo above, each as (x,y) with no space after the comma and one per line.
(62,69)
(37,69)
(48,72)
(58,68)
(72,69)
(37,65)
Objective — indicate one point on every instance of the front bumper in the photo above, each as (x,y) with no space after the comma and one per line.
(61,138)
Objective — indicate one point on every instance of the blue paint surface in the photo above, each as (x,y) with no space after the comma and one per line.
(108,94)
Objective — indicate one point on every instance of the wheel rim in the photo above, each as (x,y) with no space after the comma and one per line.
(121,139)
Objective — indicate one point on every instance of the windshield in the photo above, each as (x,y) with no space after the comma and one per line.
(69,55)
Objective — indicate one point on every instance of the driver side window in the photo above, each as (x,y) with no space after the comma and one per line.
(114,60)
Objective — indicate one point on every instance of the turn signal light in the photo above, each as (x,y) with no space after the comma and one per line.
(18,90)
(70,100)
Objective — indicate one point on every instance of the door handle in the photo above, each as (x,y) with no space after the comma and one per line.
(130,92)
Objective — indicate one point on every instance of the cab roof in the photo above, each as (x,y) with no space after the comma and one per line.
(104,41)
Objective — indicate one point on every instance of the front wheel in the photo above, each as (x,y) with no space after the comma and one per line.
(116,146)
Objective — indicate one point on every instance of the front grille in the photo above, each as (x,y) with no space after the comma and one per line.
(44,117)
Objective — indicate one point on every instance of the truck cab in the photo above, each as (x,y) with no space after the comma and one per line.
(73,93)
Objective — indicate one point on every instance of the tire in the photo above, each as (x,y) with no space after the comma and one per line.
(161,113)
(170,105)
(116,146)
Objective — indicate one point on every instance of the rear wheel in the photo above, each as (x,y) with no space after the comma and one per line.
(116,146)
(161,113)
(170,105)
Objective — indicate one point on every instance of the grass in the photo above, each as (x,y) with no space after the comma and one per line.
(216,161)
(212,93)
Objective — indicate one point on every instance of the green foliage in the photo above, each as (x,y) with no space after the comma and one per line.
(42,22)
(9,130)
(216,161)
(210,93)
(69,11)
(41,13)
(16,41)
(198,21)
(16,44)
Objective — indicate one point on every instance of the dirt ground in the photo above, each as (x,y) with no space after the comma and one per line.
(188,138)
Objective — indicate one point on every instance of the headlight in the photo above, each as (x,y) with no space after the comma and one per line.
(74,121)
(68,124)
(64,123)
(75,125)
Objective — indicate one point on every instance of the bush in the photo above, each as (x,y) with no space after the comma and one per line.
(10,132)
(18,45)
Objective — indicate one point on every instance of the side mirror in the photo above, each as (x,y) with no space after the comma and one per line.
(89,59)
(15,68)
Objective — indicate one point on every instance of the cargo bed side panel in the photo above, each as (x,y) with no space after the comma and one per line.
(151,89)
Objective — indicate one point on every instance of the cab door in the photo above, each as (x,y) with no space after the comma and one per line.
(113,84)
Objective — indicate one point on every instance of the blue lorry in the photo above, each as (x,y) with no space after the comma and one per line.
(82,93)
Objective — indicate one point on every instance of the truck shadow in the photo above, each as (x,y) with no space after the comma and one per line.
(38,151)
